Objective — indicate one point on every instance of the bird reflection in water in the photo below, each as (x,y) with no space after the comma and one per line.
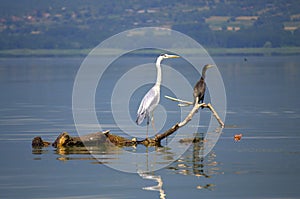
(191,163)
(157,187)
(194,163)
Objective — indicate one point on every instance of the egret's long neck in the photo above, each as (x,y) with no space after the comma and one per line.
(158,68)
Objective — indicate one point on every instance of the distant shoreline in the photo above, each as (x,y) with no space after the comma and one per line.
(284,51)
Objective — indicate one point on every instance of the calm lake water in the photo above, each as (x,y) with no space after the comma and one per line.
(262,104)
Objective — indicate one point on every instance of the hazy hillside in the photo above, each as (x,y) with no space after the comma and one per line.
(83,24)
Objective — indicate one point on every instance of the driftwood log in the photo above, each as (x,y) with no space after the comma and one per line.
(39,142)
(94,139)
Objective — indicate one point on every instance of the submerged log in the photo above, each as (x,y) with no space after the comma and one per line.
(120,141)
(93,139)
(99,138)
(65,140)
(38,142)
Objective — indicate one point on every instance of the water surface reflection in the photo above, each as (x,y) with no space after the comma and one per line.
(36,101)
(158,187)
(191,163)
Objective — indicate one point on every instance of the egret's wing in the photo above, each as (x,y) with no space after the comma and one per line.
(149,100)
(148,103)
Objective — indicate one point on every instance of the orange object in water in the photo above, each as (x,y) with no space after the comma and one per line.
(238,137)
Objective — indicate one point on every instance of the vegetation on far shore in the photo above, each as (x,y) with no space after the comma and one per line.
(211,51)
(229,25)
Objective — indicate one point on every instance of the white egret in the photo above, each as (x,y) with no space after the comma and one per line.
(152,97)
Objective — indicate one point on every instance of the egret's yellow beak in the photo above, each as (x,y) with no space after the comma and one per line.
(172,56)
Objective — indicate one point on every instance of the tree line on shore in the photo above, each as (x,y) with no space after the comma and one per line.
(80,25)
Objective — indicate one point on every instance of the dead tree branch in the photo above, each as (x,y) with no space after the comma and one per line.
(65,140)
(182,102)
(188,103)
(174,128)
(189,117)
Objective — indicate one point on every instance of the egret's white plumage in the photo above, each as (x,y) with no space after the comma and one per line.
(148,104)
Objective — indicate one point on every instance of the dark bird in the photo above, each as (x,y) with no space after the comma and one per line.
(199,88)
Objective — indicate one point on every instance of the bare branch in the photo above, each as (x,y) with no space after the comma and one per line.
(196,107)
(184,102)
(216,115)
